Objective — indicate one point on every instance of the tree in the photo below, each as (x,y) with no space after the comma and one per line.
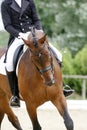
(65,21)
(80,61)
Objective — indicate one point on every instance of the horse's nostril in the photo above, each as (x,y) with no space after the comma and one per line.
(50,83)
(53,81)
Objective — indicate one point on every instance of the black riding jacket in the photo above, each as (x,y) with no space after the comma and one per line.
(16,19)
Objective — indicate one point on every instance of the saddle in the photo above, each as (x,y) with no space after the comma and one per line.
(17,54)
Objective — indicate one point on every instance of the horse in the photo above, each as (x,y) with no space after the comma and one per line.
(40,79)
(5,95)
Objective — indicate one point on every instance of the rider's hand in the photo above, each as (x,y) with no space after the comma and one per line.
(41,30)
(23,35)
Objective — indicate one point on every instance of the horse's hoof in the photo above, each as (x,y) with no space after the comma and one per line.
(15,101)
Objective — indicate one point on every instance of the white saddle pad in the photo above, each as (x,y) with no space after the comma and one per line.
(2,65)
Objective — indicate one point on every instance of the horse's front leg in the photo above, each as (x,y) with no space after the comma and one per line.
(61,105)
(1,118)
(68,121)
(5,108)
(33,115)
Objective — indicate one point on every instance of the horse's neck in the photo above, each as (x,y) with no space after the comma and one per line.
(28,61)
(2,51)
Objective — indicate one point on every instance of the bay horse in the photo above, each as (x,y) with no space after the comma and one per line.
(40,79)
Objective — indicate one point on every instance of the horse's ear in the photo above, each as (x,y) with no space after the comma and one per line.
(27,42)
(41,40)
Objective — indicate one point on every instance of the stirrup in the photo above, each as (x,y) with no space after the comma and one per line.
(67,91)
(67,87)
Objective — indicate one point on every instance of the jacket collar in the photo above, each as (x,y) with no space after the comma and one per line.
(25,4)
(8,1)
(15,6)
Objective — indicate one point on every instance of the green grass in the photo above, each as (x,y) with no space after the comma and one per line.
(3,38)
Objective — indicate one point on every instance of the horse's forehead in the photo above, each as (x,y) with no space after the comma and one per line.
(38,34)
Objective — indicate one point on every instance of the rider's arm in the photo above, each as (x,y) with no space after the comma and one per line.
(35,18)
(7,21)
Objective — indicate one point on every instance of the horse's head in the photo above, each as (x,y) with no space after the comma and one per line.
(41,55)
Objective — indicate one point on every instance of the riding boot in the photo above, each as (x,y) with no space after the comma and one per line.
(13,83)
(67,89)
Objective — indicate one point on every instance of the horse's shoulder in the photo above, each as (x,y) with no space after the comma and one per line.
(2,51)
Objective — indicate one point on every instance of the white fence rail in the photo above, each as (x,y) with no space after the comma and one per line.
(84,78)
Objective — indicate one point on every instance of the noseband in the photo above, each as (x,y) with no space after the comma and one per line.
(50,67)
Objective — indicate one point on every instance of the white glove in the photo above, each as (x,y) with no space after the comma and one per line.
(23,35)
(41,30)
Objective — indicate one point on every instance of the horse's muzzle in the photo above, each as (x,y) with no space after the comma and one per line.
(50,83)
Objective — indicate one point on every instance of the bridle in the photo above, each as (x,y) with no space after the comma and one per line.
(50,67)
(34,36)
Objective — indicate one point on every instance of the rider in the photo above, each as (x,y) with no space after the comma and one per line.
(18,16)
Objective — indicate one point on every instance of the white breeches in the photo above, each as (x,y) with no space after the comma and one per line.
(59,55)
(10,54)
